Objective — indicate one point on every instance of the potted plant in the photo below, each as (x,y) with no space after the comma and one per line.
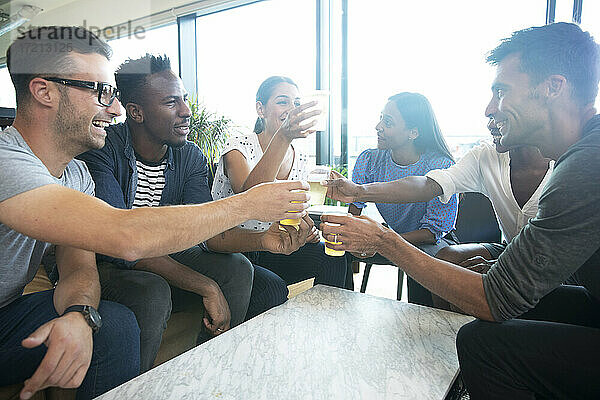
(209,131)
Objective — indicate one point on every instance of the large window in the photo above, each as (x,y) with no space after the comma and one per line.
(7,90)
(590,21)
(161,40)
(239,48)
(436,48)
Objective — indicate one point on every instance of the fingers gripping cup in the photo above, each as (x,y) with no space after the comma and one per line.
(318,191)
(336,240)
(295,222)
(322,99)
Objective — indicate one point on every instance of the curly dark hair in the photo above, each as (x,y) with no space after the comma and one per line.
(132,74)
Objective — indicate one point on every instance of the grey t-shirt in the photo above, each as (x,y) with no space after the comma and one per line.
(21,171)
(561,240)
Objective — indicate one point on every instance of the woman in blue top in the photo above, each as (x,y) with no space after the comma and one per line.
(409,143)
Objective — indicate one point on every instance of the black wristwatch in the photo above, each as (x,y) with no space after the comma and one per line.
(91,316)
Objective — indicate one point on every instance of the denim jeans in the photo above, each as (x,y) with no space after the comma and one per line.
(115,357)
(152,299)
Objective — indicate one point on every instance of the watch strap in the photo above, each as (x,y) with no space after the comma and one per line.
(85,311)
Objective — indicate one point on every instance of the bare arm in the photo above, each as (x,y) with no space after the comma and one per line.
(456,284)
(411,189)
(78,282)
(267,168)
(183,277)
(420,236)
(67,217)
(178,275)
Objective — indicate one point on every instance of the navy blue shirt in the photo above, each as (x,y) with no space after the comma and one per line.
(114,172)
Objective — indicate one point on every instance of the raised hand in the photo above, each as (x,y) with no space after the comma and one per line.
(341,188)
(292,127)
(69,342)
(275,201)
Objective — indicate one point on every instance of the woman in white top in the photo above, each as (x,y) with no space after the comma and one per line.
(268,154)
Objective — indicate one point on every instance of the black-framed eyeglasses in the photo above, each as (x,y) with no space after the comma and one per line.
(107,93)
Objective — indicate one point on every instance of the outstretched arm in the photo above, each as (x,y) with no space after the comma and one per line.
(456,284)
(411,189)
(67,217)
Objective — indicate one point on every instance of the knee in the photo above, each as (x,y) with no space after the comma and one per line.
(470,337)
(153,300)
(279,291)
(273,289)
(242,270)
(118,340)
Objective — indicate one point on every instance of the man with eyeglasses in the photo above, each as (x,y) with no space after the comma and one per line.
(67,337)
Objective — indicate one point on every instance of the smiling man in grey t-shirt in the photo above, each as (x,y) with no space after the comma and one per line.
(543,95)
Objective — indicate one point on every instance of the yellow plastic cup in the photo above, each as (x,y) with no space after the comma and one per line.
(295,222)
(329,251)
(332,252)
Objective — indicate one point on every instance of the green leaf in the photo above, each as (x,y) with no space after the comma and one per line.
(208,130)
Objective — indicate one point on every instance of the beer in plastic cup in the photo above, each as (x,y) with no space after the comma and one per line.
(322,99)
(295,222)
(318,191)
(328,251)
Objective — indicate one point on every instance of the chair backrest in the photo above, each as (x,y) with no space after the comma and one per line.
(7,116)
(476,221)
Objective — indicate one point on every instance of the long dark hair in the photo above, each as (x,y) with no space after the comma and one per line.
(265,90)
(418,114)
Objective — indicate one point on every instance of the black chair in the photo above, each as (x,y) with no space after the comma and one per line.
(7,116)
(475,223)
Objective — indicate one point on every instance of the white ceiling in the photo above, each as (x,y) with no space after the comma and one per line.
(107,13)
(10,6)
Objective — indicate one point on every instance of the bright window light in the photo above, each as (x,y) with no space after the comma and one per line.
(241,47)
(590,21)
(436,48)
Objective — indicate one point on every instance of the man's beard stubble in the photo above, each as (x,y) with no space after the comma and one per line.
(71,130)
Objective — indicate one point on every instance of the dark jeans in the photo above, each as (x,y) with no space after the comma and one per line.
(115,358)
(553,351)
(307,262)
(151,298)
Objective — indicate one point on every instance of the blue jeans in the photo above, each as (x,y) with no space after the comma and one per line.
(115,357)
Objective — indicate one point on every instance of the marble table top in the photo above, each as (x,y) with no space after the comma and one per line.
(325,343)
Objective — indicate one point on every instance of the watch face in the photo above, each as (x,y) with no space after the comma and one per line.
(95,318)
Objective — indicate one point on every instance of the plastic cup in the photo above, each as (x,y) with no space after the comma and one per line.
(322,99)
(328,251)
(318,191)
(295,222)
